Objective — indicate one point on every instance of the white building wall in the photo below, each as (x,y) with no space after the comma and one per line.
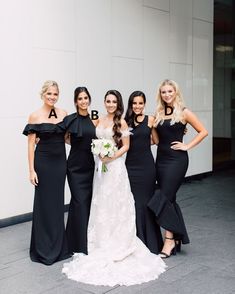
(102,44)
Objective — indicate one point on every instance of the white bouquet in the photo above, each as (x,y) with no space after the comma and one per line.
(102,148)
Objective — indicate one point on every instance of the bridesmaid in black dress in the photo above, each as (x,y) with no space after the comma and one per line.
(47,167)
(172,162)
(141,171)
(80,170)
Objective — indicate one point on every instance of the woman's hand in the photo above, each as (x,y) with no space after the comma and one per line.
(107,159)
(176,145)
(33,178)
(67,138)
(37,140)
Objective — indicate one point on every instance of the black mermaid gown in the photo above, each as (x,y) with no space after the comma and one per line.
(142,175)
(80,171)
(48,238)
(171,167)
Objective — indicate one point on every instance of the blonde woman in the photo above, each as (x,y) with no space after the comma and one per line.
(47,171)
(172,162)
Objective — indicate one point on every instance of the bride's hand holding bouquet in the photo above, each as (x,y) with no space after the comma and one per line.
(105,149)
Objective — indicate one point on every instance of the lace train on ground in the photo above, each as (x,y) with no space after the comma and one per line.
(116,255)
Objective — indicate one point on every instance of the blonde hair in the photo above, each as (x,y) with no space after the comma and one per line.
(178,104)
(47,85)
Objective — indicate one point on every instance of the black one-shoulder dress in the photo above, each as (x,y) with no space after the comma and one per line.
(171,167)
(80,171)
(142,175)
(48,239)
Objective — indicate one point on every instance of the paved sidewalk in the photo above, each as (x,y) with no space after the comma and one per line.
(205,266)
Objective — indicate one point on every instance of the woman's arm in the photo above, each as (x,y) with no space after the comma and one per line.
(124,148)
(125,140)
(31,146)
(154,137)
(31,149)
(192,119)
(67,138)
(125,144)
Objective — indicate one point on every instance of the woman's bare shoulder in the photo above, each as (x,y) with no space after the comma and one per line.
(151,120)
(123,124)
(35,116)
(96,121)
(61,113)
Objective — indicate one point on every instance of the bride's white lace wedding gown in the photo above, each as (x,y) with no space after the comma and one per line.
(116,256)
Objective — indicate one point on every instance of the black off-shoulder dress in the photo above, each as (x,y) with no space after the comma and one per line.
(48,239)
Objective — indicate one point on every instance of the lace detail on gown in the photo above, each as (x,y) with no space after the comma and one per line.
(115,254)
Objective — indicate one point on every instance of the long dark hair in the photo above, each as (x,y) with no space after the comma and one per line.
(130,115)
(79,90)
(117,116)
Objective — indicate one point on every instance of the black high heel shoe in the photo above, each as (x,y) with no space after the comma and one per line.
(178,245)
(173,250)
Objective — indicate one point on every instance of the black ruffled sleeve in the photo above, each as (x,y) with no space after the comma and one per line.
(30,129)
(43,128)
(73,124)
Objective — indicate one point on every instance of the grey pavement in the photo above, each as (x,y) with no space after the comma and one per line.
(205,266)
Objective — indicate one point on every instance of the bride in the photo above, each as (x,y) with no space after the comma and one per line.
(116,256)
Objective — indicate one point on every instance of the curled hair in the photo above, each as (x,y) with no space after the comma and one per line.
(130,115)
(47,85)
(117,134)
(79,90)
(178,104)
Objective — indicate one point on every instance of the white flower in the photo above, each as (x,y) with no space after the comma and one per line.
(96,146)
(102,148)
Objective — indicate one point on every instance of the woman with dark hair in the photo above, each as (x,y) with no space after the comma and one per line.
(116,256)
(80,170)
(141,170)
